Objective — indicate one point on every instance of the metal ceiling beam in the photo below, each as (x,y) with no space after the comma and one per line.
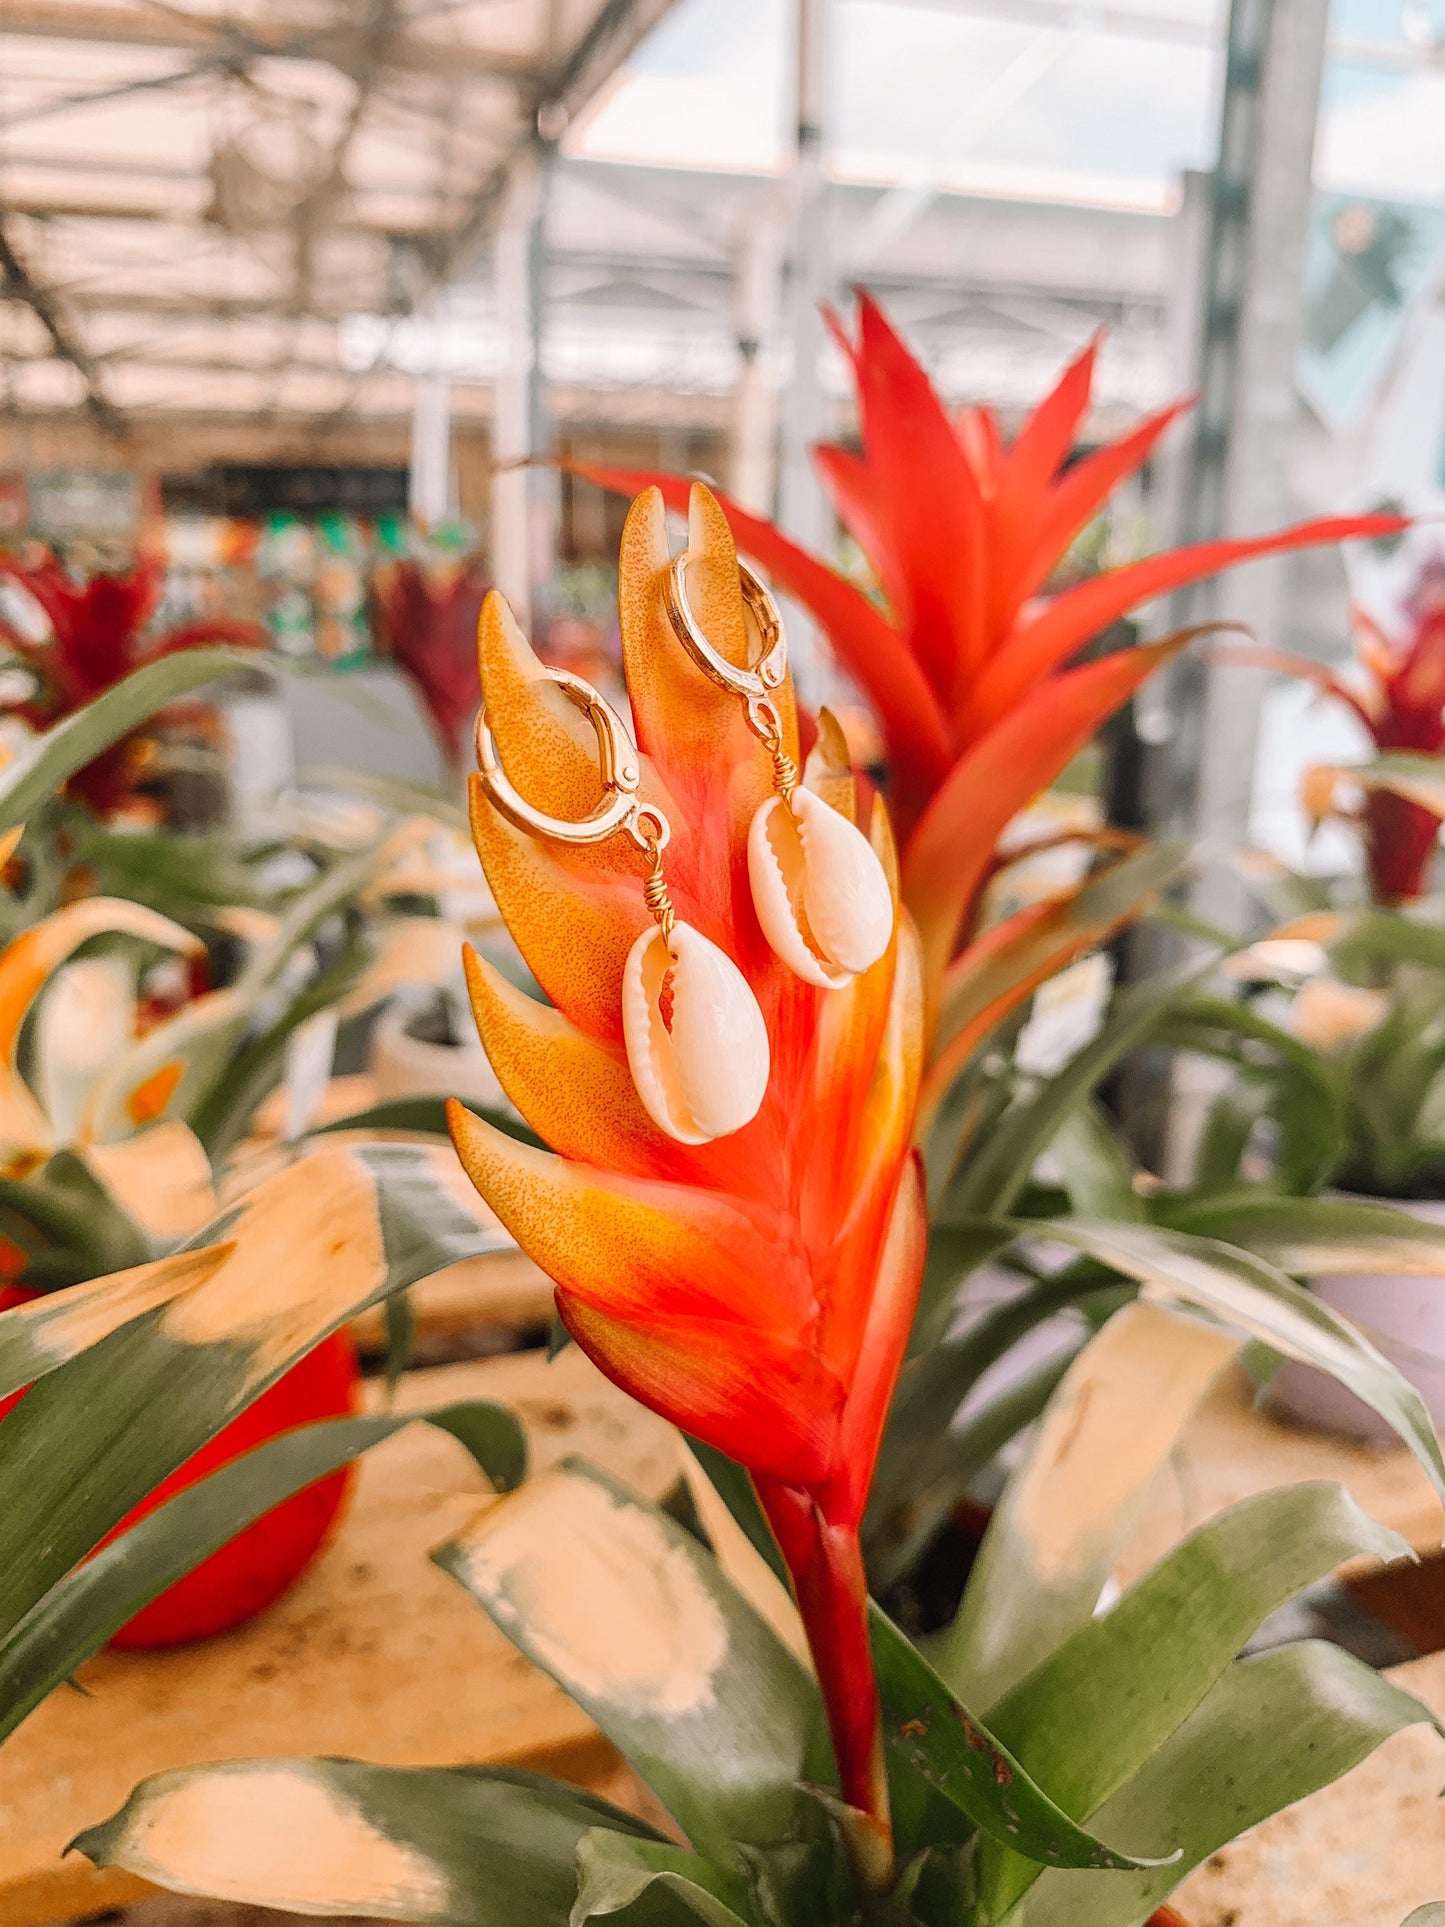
(222,43)
(19,284)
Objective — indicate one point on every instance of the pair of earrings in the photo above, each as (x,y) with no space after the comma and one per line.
(696,1042)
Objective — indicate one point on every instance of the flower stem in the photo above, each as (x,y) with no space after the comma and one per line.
(826,1565)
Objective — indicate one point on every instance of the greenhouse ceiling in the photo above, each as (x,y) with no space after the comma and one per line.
(193,196)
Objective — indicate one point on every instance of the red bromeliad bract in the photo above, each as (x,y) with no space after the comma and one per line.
(1400,703)
(969,670)
(757,1290)
(95,641)
(429,623)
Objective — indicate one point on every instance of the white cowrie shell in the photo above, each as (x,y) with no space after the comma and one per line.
(703,1074)
(819,890)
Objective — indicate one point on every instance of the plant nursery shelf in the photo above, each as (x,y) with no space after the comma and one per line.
(375,1653)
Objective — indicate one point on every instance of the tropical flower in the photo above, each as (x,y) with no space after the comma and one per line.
(1400,702)
(95,635)
(428,621)
(756,1290)
(969,668)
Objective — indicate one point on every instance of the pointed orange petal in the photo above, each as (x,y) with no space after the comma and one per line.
(547,746)
(767,1401)
(573,924)
(951,851)
(575,1092)
(891,1305)
(640,1250)
(1039,643)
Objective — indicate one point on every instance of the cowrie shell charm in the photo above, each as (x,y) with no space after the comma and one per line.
(696,1042)
(819,890)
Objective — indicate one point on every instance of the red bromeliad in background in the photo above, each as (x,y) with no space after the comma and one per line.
(94,641)
(758,1289)
(969,671)
(428,618)
(1401,705)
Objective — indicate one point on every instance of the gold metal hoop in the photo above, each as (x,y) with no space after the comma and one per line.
(756,684)
(618,766)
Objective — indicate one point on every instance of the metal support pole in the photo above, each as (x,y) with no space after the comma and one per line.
(1252,288)
(802,509)
(757,298)
(432,491)
(1250,294)
(524,495)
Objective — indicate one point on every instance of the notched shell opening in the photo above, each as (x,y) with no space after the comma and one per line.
(696,1042)
(820,892)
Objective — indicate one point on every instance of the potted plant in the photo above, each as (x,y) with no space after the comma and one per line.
(756,1285)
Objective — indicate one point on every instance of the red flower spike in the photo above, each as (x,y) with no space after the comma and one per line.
(429,625)
(1400,704)
(94,642)
(963,532)
(756,1290)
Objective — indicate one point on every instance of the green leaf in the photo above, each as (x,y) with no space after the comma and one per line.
(1095,1167)
(1417,777)
(734,1486)
(1248,1295)
(1317,1237)
(428,1115)
(1065,1516)
(306,1251)
(948,1463)
(1095,1712)
(639,1624)
(458,1846)
(80,1613)
(993,1176)
(929,1732)
(392,793)
(623,1878)
(44,764)
(1274,1729)
(955,1252)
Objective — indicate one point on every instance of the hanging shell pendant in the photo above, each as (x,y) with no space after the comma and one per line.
(819,889)
(696,1042)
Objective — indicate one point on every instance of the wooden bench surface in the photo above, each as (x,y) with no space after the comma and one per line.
(374,1653)
(1233,1450)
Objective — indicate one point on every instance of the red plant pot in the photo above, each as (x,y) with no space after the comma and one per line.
(252,1570)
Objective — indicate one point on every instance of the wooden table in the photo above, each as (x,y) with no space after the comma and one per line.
(375,1652)
(1361,1853)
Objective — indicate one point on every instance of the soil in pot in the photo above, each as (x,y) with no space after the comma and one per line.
(262,1561)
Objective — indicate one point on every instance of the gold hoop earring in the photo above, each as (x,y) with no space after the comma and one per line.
(696,1043)
(820,892)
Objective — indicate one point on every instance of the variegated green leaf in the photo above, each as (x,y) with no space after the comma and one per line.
(1094,1713)
(457,1846)
(1318,1237)
(624,1878)
(333,1233)
(930,1733)
(40,1337)
(80,1614)
(638,1623)
(1274,1729)
(1250,1296)
(933,1739)
(1066,1515)
(40,767)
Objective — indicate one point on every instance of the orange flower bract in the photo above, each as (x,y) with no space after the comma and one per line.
(756,1290)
